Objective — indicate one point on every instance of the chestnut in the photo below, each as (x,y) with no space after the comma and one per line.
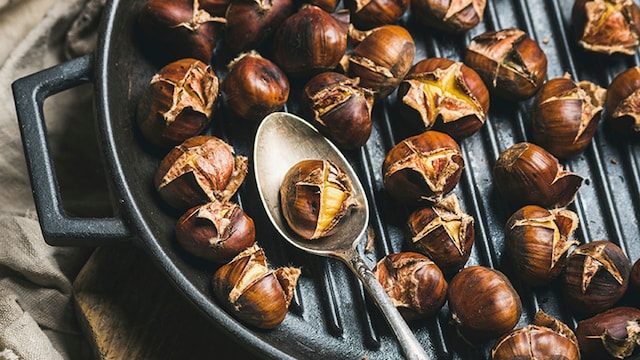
(566,115)
(444,95)
(255,87)
(216,231)
(537,242)
(314,196)
(251,22)
(252,292)
(635,276)
(607,26)
(527,174)
(595,277)
(512,64)
(414,283)
(326,5)
(443,232)
(623,102)
(201,169)
(180,28)
(339,108)
(382,59)
(612,334)
(214,7)
(450,16)
(178,103)
(368,14)
(483,303)
(309,42)
(423,167)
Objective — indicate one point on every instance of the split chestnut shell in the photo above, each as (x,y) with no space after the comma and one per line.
(623,102)
(612,334)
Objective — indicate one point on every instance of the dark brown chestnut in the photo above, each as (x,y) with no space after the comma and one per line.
(607,26)
(252,292)
(450,16)
(251,22)
(483,303)
(635,276)
(214,7)
(537,242)
(566,114)
(178,103)
(200,170)
(368,14)
(382,59)
(414,283)
(180,28)
(444,95)
(527,174)
(216,231)
(612,334)
(443,232)
(326,5)
(595,277)
(423,167)
(512,65)
(339,108)
(309,42)
(254,87)
(314,196)
(623,102)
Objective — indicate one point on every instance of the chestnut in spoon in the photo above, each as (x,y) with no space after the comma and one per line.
(281,141)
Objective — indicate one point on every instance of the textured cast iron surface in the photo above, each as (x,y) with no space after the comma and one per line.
(330,316)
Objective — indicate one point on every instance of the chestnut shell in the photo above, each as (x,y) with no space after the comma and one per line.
(368,14)
(623,102)
(450,16)
(535,342)
(611,334)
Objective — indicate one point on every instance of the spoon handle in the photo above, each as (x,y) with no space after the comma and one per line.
(408,342)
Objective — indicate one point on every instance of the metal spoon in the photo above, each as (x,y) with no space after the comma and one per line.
(282,140)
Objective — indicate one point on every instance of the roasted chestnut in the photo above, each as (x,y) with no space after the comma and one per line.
(368,14)
(180,28)
(595,277)
(309,42)
(612,334)
(339,108)
(537,242)
(326,5)
(635,276)
(623,102)
(255,87)
(483,303)
(527,174)
(252,292)
(512,65)
(607,26)
(382,59)
(214,7)
(200,170)
(314,196)
(414,283)
(178,103)
(423,167)
(216,231)
(443,232)
(444,95)
(251,22)
(451,16)
(566,115)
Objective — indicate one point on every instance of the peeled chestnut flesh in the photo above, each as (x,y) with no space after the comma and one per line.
(595,277)
(368,14)
(339,108)
(512,64)
(566,115)
(315,195)
(527,174)
(607,26)
(443,232)
(623,102)
(537,242)
(178,103)
(422,168)
(216,231)
(414,283)
(450,16)
(483,303)
(200,170)
(444,95)
(612,334)
(252,292)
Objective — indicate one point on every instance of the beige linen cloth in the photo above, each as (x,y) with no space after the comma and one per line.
(37,319)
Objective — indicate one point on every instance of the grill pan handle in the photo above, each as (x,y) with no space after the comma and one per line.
(58,228)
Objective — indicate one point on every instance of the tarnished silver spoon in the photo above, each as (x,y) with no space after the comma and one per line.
(282,140)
